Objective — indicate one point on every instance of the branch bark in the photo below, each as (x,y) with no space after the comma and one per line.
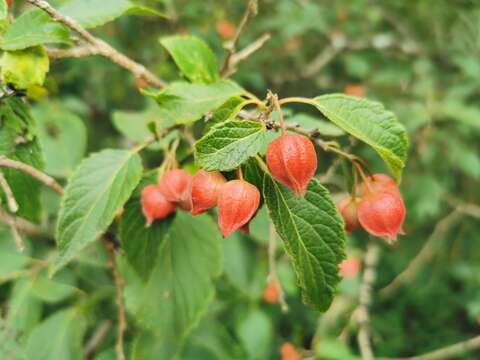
(35,173)
(101,47)
(119,285)
(362,312)
(447,352)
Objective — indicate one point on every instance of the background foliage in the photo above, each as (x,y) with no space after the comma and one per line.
(419,58)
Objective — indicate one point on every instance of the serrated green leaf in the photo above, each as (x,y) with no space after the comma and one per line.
(99,188)
(24,310)
(192,55)
(32,28)
(227,111)
(229,144)
(60,129)
(313,123)
(370,122)
(180,287)
(93,13)
(184,103)
(314,237)
(59,337)
(25,68)
(139,243)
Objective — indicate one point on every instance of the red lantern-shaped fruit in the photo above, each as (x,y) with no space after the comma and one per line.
(379,182)
(238,201)
(348,209)
(381,213)
(174,185)
(292,161)
(154,204)
(205,187)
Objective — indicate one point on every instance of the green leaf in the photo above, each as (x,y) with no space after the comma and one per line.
(184,103)
(25,68)
(314,237)
(3,9)
(24,310)
(32,28)
(59,337)
(11,260)
(194,58)
(229,144)
(313,123)
(26,189)
(141,244)
(18,142)
(93,13)
(256,333)
(60,129)
(180,287)
(227,111)
(369,122)
(98,189)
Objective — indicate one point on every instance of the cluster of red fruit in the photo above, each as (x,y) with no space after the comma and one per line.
(380,210)
(291,160)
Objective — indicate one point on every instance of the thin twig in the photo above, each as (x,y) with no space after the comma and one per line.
(245,53)
(447,352)
(424,256)
(119,284)
(11,202)
(104,49)
(365,299)
(16,235)
(37,174)
(23,225)
(97,338)
(76,52)
(272,267)
(231,47)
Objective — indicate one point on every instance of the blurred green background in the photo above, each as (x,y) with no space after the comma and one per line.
(421,59)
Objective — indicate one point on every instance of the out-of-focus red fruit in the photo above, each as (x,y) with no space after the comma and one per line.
(381,213)
(355,90)
(9,3)
(226,29)
(141,83)
(238,201)
(154,204)
(348,209)
(174,185)
(349,268)
(292,160)
(378,183)
(271,294)
(288,352)
(205,187)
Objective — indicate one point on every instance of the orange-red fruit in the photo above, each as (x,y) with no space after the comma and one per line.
(174,185)
(154,204)
(355,90)
(288,352)
(292,161)
(380,182)
(381,213)
(349,268)
(205,188)
(9,3)
(238,201)
(348,209)
(226,29)
(271,294)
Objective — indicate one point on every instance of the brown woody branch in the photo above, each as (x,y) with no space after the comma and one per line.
(452,351)
(231,47)
(119,285)
(362,314)
(37,174)
(101,47)
(11,202)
